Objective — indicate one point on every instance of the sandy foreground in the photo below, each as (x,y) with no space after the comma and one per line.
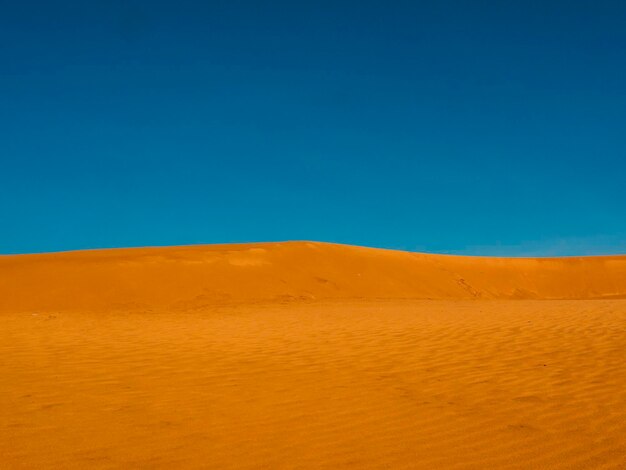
(306,379)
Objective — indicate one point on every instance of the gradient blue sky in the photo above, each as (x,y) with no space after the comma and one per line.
(494,128)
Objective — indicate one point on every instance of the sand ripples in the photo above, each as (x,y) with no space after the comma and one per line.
(442,384)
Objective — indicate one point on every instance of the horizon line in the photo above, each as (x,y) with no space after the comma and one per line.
(302,241)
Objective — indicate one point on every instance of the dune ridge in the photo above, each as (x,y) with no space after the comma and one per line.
(192,277)
(311,356)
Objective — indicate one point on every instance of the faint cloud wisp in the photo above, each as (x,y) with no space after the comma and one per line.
(595,245)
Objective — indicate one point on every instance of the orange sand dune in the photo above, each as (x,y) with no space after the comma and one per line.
(186,278)
(310,356)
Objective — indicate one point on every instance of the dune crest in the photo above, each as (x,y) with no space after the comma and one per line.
(191,277)
(311,356)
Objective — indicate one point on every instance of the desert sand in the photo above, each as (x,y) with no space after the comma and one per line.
(308,355)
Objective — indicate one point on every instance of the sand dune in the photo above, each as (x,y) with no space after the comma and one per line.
(310,356)
(185,278)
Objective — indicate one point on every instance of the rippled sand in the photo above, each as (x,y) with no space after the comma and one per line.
(445,384)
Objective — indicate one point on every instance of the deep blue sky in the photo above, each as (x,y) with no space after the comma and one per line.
(455,127)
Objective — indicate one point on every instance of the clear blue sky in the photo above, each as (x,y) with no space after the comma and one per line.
(455,127)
